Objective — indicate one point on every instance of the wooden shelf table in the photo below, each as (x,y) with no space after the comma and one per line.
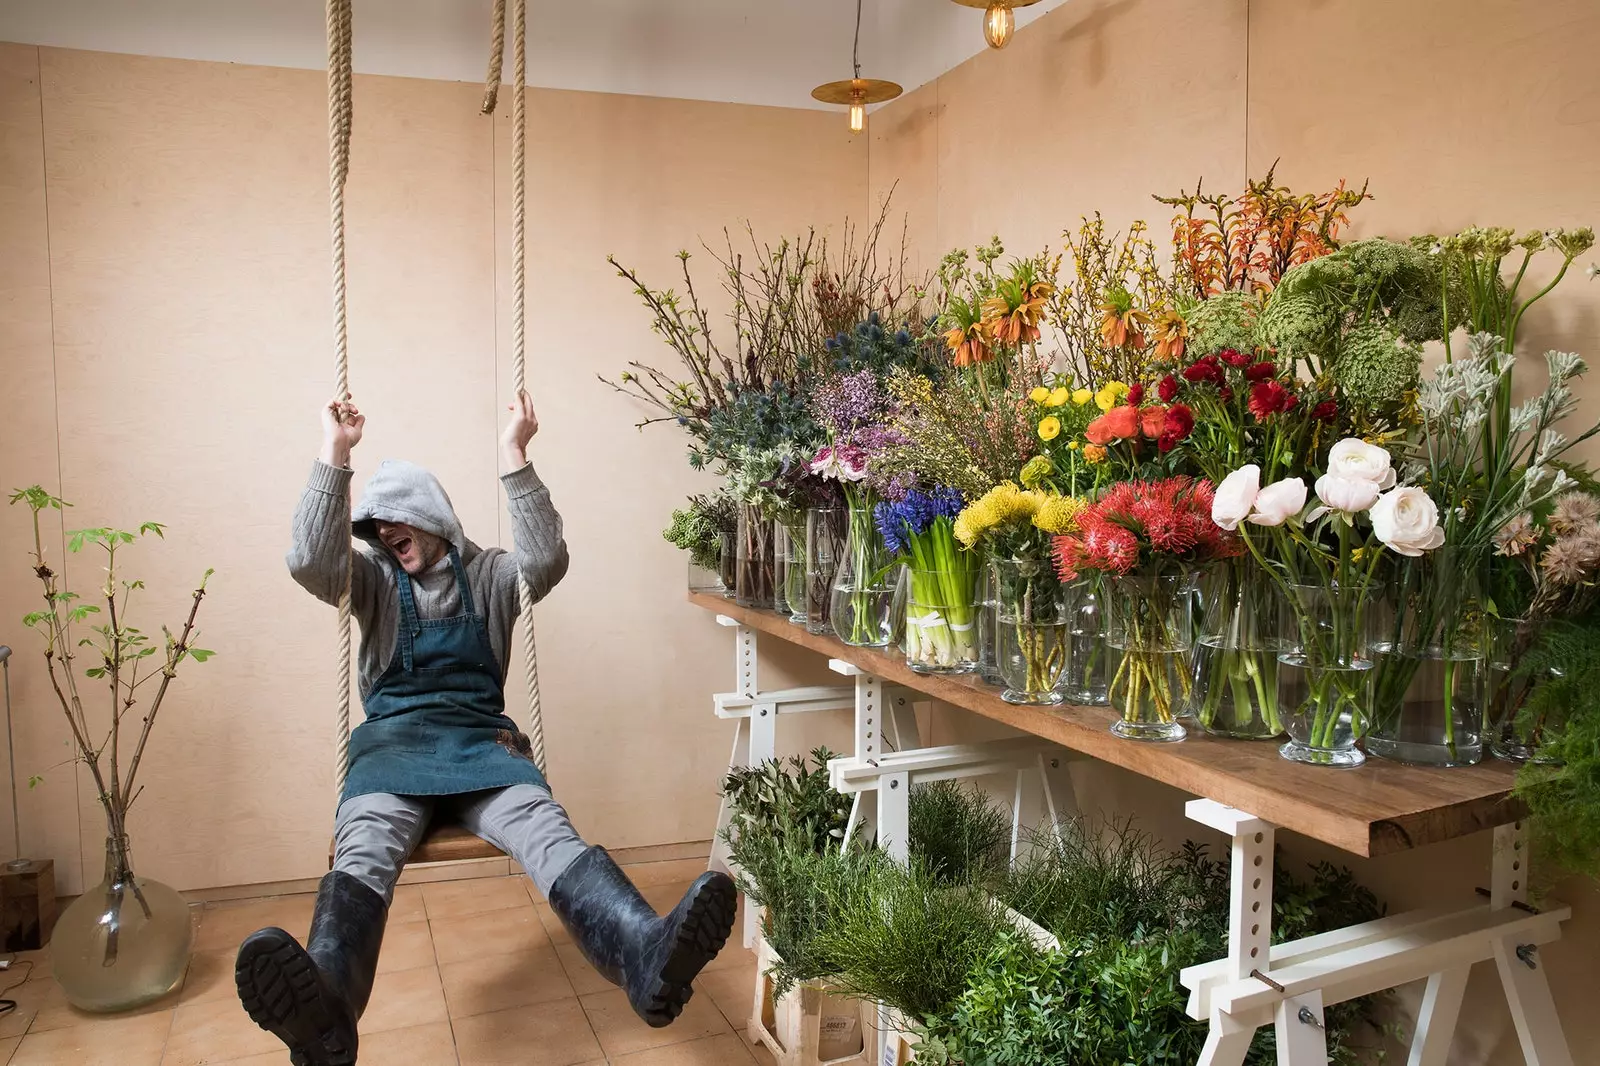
(1248,792)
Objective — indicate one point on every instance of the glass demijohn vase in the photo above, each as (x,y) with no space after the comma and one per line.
(1148,621)
(123,943)
(1234,672)
(864,583)
(756,564)
(1324,674)
(780,569)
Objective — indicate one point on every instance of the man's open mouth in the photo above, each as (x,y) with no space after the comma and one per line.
(400,546)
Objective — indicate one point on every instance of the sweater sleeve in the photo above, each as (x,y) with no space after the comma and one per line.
(536,530)
(320,553)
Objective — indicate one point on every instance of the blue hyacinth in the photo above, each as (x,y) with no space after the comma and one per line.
(900,520)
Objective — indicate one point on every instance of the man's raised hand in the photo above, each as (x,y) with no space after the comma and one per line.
(342,423)
(519,431)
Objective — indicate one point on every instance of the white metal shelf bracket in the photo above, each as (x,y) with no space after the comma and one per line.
(1288,985)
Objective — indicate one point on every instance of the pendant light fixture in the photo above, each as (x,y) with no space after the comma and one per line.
(858,92)
(999,21)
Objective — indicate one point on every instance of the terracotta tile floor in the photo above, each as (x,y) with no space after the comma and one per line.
(473,973)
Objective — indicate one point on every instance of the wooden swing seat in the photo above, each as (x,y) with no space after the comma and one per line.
(445,841)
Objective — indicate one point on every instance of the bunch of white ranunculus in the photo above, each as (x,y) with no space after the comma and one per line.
(1359,478)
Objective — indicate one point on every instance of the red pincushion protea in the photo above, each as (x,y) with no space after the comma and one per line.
(1154,521)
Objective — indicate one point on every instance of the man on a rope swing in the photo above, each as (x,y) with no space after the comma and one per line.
(436,615)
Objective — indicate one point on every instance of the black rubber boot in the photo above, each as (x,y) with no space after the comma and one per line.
(655,959)
(311,997)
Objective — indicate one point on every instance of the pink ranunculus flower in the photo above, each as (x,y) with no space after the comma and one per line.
(1235,496)
(1279,502)
(1407,521)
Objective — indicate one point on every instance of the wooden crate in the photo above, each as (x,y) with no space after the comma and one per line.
(796,1027)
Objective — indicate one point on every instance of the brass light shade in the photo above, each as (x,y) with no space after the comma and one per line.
(856,93)
(999,22)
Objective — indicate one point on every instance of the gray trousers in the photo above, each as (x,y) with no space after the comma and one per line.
(374,834)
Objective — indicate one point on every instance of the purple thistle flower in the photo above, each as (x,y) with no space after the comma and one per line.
(849,401)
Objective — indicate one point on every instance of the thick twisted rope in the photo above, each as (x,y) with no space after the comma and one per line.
(519,291)
(339,112)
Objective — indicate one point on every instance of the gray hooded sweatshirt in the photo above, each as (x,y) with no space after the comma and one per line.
(405,493)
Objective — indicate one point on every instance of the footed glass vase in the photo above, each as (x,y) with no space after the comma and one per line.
(756,560)
(1031,629)
(1325,674)
(864,581)
(1234,667)
(124,942)
(1148,622)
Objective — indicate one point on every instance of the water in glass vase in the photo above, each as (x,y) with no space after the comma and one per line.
(1150,688)
(123,943)
(1090,660)
(1437,718)
(1032,655)
(1235,690)
(1324,708)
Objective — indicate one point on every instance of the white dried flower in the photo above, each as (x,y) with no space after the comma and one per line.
(1563,365)
(1550,444)
(1562,482)
(1525,414)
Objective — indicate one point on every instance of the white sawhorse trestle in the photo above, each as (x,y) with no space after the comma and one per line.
(1287,986)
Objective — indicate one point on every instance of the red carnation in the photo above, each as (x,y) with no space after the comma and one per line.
(1135,393)
(1227,393)
(1234,358)
(1207,369)
(1167,389)
(1326,411)
(1267,398)
(1260,372)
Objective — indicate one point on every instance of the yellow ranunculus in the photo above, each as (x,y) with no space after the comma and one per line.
(1039,395)
(1072,445)
(1059,397)
(1050,428)
(1082,396)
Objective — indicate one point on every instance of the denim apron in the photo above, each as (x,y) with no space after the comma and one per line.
(435,720)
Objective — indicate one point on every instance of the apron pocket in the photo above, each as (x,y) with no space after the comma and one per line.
(391,735)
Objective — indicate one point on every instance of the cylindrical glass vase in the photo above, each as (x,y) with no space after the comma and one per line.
(941,617)
(864,585)
(825,542)
(1031,629)
(1517,726)
(1324,674)
(988,629)
(729,558)
(1090,660)
(123,943)
(1148,622)
(1234,667)
(792,569)
(756,562)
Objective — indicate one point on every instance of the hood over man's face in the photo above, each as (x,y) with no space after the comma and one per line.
(414,549)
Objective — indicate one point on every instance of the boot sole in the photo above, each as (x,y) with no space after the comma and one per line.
(280,989)
(700,938)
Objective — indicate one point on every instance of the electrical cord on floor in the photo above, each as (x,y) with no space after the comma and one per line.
(9,1005)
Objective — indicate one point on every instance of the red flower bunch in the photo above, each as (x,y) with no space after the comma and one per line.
(1145,522)
(1164,425)
(1269,397)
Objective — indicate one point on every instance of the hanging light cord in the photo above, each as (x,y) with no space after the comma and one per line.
(855,53)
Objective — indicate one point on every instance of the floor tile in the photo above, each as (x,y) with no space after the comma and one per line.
(555,1034)
(483,986)
(672,872)
(404,998)
(734,956)
(621,1032)
(8,1047)
(210,976)
(407,905)
(417,1045)
(406,947)
(552,925)
(477,936)
(664,897)
(56,1013)
(227,925)
(213,1031)
(31,997)
(455,899)
(109,1042)
(733,991)
(585,979)
(726,1050)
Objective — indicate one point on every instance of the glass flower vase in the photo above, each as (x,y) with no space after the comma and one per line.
(825,545)
(941,616)
(791,561)
(123,943)
(988,629)
(1516,724)
(729,560)
(1031,629)
(1148,622)
(756,562)
(1324,674)
(864,583)
(1234,666)
(1430,679)
(1090,660)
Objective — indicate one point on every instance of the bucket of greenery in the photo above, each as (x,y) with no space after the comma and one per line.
(786,836)
(125,942)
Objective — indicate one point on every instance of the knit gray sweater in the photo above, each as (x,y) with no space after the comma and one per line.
(321,553)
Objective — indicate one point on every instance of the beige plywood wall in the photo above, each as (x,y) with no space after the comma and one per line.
(171,308)
(1484,113)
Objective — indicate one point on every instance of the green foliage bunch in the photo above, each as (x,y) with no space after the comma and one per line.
(698,528)
(1562,790)
(788,800)
(959,833)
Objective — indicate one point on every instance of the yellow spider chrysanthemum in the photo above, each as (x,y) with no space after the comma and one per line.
(1059,396)
(1039,395)
(1058,514)
(1050,428)
(1082,396)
